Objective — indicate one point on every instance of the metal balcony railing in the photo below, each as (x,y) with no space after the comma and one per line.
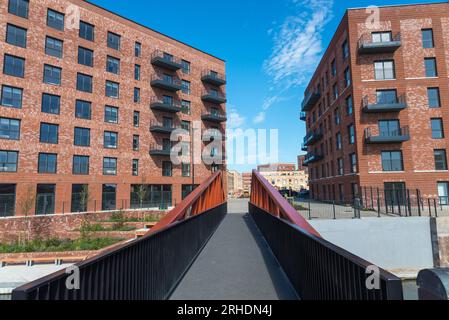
(313,137)
(374,103)
(214,116)
(165,60)
(213,77)
(310,100)
(303,116)
(166,105)
(172,84)
(367,45)
(216,97)
(160,127)
(374,136)
(312,158)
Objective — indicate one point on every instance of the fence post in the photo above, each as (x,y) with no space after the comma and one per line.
(378,203)
(372,199)
(63,203)
(335,214)
(409,203)
(399,203)
(430,208)
(435,205)
(418,200)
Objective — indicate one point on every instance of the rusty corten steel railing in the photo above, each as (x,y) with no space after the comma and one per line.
(267,198)
(148,268)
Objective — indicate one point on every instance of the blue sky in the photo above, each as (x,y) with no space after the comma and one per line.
(269,56)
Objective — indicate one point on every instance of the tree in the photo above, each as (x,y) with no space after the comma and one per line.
(142,191)
(26,205)
(84,197)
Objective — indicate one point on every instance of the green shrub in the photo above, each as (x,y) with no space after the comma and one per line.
(58,245)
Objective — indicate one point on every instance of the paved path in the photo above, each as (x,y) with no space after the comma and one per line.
(236,264)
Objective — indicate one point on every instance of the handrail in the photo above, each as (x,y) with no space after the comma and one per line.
(266,197)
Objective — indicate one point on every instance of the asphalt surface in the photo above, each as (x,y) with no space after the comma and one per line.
(236,264)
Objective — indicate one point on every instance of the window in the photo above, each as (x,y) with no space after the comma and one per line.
(136,95)
(334,68)
(349,106)
(341,166)
(187,190)
(135,167)
(110,166)
(338,140)
(14,66)
(185,107)
(8,161)
(11,97)
(55,20)
(185,87)
(433,95)
(8,196)
(166,169)
(392,161)
(389,128)
(82,137)
(345,50)
(136,119)
(85,57)
(185,66)
(335,91)
(83,109)
(384,70)
(347,77)
(430,65)
(109,197)
(84,83)
(50,103)
(337,117)
(49,133)
(53,47)
(47,163)
(16,36)
(81,165)
(387,96)
(45,199)
(437,128)
(110,114)
(9,129)
(379,37)
(353,161)
(351,133)
(80,195)
(87,31)
(185,125)
(186,169)
(110,140)
(137,72)
(52,75)
(113,41)
(440,159)
(137,49)
(112,89)
(427,38)
(113,65)
(19,8)
(135,142)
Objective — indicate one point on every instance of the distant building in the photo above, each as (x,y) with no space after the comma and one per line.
(235,184)
(246,183)
(287,180)
(276,167)
(301,166)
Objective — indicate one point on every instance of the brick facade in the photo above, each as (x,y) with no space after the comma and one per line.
(419,171)
(29,146)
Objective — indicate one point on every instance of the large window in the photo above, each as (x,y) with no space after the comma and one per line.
(440,159)
(353,162)
(53,47)
(341,166)
(110,166)
(186,87)
(85,57)
(110,140)
(380,37)
(84,83)
(109,197)
(45,199)
(52,75)
(87,31)
(16,36)
(387,96)
(430,64)
(392,161)
(83,109)
(167,169)
(11,97)
(55,20)
(112,89)
(80,197)
(110,114)
(81,165)
(47,163)
(135,167)
(14,66)
(185,107)
(137,49)
(384,70)
(427,38)
(113,41)
(433,95)
(49,133)
(113,65)
(351,134)
(7,200)
(51,103)
(345,49)
(389,128)
(137,72)
(8,161)
(185,66)
(437,128)
(82,137)
(9,129)
(19,8)
(137,95)
(338,140)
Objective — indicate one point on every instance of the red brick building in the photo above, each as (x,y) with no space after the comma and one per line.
(277,167)
(88,102)
(376,107)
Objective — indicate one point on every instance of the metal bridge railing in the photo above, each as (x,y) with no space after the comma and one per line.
(148,268)
(317,269)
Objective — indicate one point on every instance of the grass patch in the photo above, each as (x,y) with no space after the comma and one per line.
(119,217)
(299,207)
(58,245)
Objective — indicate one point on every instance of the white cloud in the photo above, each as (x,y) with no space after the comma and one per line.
(235,120)
(298,43)
(260,117)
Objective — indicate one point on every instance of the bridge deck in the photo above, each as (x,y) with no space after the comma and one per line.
(236,264)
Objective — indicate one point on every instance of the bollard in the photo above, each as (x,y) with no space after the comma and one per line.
(435,206)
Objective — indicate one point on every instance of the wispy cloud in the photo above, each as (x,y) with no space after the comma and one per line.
(235,119)
(260,117)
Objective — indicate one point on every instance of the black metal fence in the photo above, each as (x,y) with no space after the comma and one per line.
(319,270)
(145,269)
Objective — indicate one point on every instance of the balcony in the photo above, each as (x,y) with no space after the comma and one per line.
(304,147)
(310,101)
(171,84)
(159,127)
(214,78)
(160,151)
(164,60)
(213,97)
(165,105)
(215,116)
(303,116)
(312,138)
(312,158)
(374,104)
(368,46)
(393,136)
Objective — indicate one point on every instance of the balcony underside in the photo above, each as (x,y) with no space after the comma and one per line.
(160,153)
(167,64)
(386,140)
(312,160)
(213,99)
(384,107)
(311,101)
(214,118)
(160,106)
(385,47)
(312,140)
(172,87)
(160,129)
(213,80)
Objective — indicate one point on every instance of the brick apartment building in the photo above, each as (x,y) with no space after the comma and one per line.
(88,102)
(277,167)
(377,106)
